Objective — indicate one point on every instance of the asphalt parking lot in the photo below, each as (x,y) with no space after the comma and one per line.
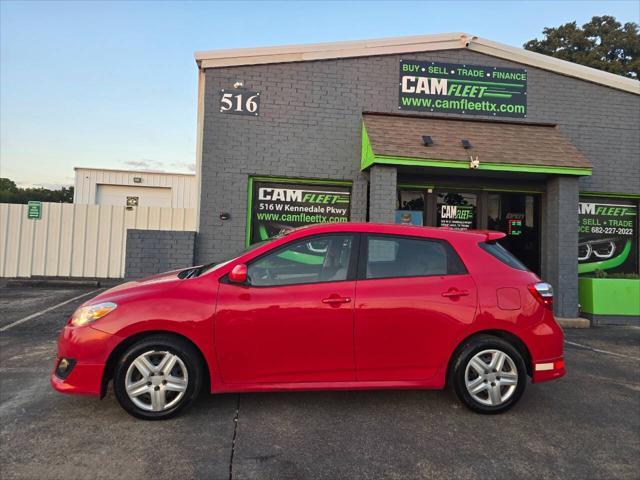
(584,426)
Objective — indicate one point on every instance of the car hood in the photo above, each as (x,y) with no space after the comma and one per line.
(161,281)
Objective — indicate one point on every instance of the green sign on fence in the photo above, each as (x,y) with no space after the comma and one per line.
(34,210)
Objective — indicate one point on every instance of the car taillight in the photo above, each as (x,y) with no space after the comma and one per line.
(543,293)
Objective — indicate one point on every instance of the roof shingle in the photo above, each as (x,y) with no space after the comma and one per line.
(514,143)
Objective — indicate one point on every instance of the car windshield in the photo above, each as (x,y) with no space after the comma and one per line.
(215,265)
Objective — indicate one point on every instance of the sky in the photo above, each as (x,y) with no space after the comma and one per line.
(114,84)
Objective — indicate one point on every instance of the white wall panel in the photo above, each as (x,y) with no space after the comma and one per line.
(75,240)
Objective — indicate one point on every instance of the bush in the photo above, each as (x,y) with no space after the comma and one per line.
(604,274)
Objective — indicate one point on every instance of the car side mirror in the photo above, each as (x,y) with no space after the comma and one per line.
(238,274)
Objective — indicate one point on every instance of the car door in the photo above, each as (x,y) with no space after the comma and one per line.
(412,296)
(293,321)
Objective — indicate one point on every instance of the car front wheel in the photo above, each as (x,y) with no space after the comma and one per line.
(157,377)
(489,375)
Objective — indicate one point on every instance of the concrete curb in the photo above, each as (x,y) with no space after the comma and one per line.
(52,283)
(61,282)
(573,322)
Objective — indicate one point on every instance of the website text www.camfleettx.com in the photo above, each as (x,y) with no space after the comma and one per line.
(299,217)
(462,104)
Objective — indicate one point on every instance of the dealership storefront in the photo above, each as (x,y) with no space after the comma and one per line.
(444,130)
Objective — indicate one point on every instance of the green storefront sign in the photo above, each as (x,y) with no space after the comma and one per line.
(467,89)
(608,236)
(34,210)
(276,207)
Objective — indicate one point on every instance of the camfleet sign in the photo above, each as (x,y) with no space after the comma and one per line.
(277,207)
(466,89)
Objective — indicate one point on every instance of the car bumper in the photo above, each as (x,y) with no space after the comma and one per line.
(543,371)
(546,345)
(84,379)
(87,349)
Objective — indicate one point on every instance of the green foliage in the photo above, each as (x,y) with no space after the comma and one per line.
(11,193)
(624,275)
(602,43)
(605,274)
(7,185)
(600,274)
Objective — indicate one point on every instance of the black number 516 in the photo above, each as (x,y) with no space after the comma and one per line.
(240,102)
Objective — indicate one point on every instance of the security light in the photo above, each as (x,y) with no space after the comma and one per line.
(427,140)
(466,143)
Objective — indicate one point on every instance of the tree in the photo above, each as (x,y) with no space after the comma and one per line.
(7,185)
(11,193)
(602,43)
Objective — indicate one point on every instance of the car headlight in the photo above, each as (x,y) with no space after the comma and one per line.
(90,313)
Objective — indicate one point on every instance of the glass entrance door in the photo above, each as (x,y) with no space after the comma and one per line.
(517,215)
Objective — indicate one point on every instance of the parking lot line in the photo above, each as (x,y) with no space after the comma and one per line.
(601,351)
(34,315)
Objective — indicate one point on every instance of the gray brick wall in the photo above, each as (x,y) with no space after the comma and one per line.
(310,127)
(560,243)
(156,251)
(382,193)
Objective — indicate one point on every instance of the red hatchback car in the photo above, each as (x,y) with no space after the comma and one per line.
(339,306)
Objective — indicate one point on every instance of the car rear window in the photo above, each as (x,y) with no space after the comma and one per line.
(396,256)
(502,254)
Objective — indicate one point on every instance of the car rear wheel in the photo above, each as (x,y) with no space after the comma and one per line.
(157,377)
(489,375)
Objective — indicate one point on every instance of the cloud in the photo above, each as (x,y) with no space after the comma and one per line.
(184,166)
(146,164)
(49,186)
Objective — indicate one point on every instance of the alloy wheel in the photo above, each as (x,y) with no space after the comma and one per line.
(491,377)
(156,380)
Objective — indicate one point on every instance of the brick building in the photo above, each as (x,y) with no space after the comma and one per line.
(440,130)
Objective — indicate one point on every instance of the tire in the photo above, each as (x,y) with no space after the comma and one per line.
(494,390)
(144,390)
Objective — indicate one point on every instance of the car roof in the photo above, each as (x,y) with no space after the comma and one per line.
(398,229)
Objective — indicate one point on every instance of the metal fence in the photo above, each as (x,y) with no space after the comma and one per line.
(71,240)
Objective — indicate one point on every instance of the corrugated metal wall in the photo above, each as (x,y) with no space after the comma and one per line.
(183,186)
(73,240)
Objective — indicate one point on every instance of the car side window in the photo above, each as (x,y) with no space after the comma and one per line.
(396,256)
(311,260)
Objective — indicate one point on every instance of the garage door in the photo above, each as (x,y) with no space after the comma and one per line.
(129,195)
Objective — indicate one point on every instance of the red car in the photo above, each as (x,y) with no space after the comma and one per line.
(339,306)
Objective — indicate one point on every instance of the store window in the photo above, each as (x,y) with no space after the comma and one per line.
(457,210)
(410,207)
(608,236)
(276,207)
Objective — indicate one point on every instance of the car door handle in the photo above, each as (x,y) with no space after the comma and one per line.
(454,292)
(336,300)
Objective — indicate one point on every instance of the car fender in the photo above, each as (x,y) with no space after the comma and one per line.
(187,311)
(480,325)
